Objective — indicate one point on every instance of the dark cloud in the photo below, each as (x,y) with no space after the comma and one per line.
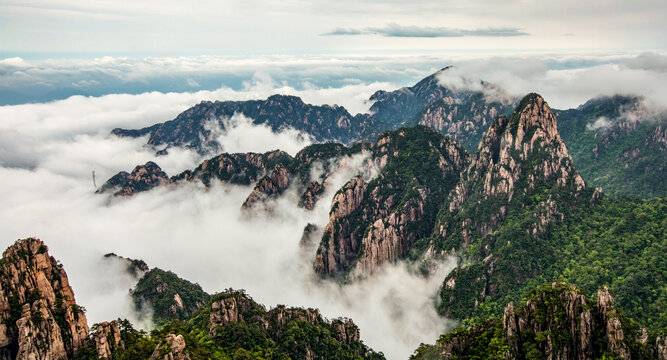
(343,31)
(395,30)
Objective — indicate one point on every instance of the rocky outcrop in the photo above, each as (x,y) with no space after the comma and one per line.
(374,223)
(135,267)
(241,168)
(522,171)
(518,156)
(555,321)
(463,117)
(269,187)
(280,316)
(199,126)
(143,178)
(229,307)
(168,296)
(40,317)
(313,192)
(661,347)
(338,246)
(172,348)
(612,325)
(106,336)
(346,331)
(311,336)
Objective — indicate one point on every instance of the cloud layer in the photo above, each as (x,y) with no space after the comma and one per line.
(413,31)
(199,233)
(565,81)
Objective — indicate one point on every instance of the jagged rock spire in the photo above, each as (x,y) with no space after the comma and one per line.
(40,317)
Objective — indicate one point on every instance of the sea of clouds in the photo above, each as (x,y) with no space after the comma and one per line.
(49,150)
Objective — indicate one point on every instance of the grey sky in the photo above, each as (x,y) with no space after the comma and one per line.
(296,26)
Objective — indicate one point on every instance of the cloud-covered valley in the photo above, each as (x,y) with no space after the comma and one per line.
(48,152)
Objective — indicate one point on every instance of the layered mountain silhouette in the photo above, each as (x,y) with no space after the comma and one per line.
(617,142)
(507,211)
(41,320)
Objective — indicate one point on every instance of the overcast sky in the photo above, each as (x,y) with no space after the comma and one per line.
(309,26)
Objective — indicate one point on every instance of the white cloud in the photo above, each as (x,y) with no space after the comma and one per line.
(564,86)
(241,135)
(199,233)
(600,123)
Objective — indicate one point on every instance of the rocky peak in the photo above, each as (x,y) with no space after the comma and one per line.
(40,317)
(376,222)
(106,336)
(346,331)
(555,321)
(229,307)
(135,267)
(518,156)
(168,296)
(269,186)
(172,348)
(143,178)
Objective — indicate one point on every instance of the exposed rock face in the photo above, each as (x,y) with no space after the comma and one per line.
(175,349)
(242,168)
(346,331)
(281,315)
(40,317)
(463,117)
(556,322)
(269,186)
(430,103)
(168,296)
(578,322)
(313,192)
(195,127)
(517,156)
(338,247)
(236,307)
(227,309)
(378,222)
(523,171)
(107,338)
(612,324)
(661,348)
(39,337)
(143,178)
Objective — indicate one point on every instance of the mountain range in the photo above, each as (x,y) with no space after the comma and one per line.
(551,264)
(618,143)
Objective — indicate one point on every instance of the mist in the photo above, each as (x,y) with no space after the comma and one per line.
(199,233)
(565,82)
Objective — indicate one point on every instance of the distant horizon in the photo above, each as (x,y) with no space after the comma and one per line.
(41,55)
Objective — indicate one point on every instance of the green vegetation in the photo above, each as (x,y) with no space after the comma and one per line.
(160,290)
(421,168)
(281,333)
(552,319)
(614,153)
(469,111)
(620,243)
